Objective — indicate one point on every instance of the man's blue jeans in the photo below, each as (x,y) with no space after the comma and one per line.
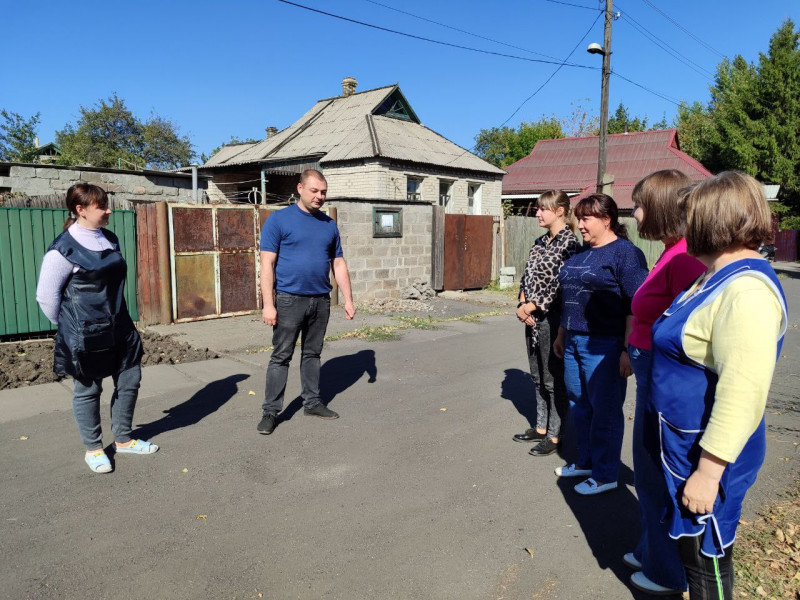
(306,315)
(657,552)
(596,393)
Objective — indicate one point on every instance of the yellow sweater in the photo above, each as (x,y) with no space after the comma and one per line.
(736,337)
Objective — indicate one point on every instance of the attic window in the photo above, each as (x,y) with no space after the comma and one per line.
(395,106)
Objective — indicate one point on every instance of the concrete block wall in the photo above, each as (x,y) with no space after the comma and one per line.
(40,180)
(382,267)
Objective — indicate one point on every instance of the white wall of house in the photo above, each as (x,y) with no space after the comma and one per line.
(375,180)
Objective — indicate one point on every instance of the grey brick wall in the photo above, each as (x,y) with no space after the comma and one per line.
(40,180)
(382,267)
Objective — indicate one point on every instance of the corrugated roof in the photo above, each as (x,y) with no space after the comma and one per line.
(570,164)
(345,128)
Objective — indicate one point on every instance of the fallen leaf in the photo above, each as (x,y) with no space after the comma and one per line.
(185,470)
(204,517)
(529,551)
(743,522)
(761,592)
(443,409)
(23,437)
(20,353)
(779,534)
(251,393)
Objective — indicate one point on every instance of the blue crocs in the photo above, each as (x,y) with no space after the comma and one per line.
(137,447)
(98,461)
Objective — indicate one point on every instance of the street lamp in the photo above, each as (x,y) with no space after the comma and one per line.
(605,50)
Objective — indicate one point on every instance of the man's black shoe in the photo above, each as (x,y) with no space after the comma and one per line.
(322,411)
(530,435)
(267,424)
(544,448)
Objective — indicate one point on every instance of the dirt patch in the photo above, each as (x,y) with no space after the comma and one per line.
(31,362)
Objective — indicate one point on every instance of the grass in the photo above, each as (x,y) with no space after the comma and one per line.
(767,553)
(510,292)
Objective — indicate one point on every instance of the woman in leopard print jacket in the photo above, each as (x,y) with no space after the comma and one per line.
(540,310)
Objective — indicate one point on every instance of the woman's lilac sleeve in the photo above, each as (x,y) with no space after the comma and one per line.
(54,274)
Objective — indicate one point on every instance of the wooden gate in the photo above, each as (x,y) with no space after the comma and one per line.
(214,255)
(467,251)
(786,245)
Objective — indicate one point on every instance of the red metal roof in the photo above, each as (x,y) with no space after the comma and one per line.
(570,164)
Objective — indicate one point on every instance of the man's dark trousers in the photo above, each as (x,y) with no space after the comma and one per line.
(296,314)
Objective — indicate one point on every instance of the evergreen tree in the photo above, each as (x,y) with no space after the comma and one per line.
(621,121)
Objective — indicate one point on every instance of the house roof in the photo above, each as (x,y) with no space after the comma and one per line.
(570,164)
(369,124)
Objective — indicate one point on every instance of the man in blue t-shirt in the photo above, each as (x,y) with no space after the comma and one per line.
(298,246)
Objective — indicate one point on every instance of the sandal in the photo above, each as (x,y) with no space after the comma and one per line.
(137,447)
(98,461)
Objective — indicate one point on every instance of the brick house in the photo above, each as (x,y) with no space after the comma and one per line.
(385,172)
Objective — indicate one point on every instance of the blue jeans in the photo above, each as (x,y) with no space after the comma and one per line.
(596,393)
(296,314)
(86,407)
(657,552)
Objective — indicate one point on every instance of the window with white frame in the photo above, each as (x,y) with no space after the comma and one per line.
(413,189)
(474,193)
(445,194)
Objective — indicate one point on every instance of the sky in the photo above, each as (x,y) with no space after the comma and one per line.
(233,68)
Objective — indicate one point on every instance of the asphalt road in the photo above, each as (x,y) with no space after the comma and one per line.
(417,492)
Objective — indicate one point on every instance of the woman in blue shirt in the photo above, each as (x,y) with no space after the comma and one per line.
(597,286)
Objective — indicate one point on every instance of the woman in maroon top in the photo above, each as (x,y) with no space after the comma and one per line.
(659,217)
(539,309)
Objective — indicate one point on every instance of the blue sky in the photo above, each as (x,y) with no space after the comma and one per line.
(218,69)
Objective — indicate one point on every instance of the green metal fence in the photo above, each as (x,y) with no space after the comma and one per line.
(25,234)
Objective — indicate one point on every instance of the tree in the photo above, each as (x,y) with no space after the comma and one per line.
(580,122)
(109,134)
(17,135)
(502,146)
(752,122)
(621,121)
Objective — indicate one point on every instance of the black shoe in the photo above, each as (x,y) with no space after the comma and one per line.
(267,424)
(322,411)
(530,435)
(544,448)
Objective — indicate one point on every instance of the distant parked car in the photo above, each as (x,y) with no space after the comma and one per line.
(767,251)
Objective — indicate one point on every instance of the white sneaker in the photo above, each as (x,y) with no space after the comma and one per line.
(640,582)
(572,471)
(630,561)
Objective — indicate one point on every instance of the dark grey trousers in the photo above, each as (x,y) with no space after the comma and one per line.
(547,371)
(306,315)
(86,407)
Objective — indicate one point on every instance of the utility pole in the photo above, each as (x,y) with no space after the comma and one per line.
(601,159)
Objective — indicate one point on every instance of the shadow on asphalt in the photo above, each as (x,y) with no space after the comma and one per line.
(206,401)
(786,271)
(518,387)
(335,376)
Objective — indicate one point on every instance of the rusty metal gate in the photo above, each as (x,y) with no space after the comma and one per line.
(467,251)
(214,256)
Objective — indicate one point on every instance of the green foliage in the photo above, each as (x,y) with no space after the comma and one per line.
(621,121)
(17,136)
(109,133)
(502,146)
(752,122)
(580,122)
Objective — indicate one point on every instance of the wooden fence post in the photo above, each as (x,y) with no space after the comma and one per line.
(437,248)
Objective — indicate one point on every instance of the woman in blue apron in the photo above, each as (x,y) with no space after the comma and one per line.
(714,353)
(80,288)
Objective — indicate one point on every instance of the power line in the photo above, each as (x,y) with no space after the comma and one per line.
(432,41)
(575,5)
(666,47)
(647,89)
(557,69)
(682,28)
(459,30)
